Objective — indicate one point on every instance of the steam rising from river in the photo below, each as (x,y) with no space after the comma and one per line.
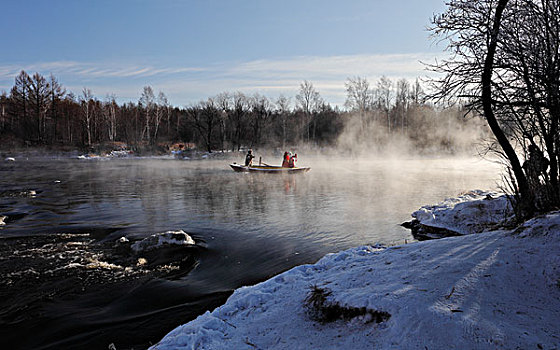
(430,132)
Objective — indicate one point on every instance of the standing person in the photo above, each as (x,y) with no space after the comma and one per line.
(535,165)
(249,158)
(286,160)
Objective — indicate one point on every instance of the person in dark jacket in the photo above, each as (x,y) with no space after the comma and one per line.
(249,158)
(535,165)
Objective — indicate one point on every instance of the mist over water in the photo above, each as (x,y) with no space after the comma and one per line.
(424,129)
(248,227)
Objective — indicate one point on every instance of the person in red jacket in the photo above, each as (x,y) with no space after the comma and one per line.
(286,160)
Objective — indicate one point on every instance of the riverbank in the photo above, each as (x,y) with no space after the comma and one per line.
(109,151)
(499,289)
(105,149)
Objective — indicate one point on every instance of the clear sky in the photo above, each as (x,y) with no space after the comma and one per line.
(194,49)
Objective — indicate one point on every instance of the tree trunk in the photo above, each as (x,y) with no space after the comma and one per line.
(527,205)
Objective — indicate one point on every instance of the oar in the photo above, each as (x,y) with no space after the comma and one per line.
(263,163)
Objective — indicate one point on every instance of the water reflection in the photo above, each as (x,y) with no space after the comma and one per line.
(325,210)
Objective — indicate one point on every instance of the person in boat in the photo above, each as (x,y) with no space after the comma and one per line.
(249,158)
(286,160)
(292,161)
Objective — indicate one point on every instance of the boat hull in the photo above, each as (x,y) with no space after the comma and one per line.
(269,169)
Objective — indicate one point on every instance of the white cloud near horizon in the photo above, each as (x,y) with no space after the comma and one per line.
(185,85)
(91,70)
(361,65)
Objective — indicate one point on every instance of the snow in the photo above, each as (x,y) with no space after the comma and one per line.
(119,154)
(498,289)
(472,212)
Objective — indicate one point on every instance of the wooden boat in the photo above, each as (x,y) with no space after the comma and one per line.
(274,169)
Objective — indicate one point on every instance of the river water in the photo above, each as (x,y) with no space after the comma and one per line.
(66,283)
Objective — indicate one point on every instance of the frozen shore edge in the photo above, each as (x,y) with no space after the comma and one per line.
(498,289)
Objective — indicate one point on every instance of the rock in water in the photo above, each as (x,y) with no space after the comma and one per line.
(123,240)
(158,240)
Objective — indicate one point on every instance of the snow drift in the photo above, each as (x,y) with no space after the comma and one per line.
(473,212)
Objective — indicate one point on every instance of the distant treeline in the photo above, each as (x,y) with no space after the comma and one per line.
(38,111)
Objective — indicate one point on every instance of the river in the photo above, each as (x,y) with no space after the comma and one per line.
(66,283)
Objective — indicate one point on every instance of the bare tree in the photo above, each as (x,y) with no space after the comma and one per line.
(358,94)
(308,100)
(110,116)
(283,111)
(71,111)
(4,122)
(384,98)
(39,99)
(147,102)
(168,109)
(505,63)
(472,30)
(56,94)
(532,32)
(19,102)
(359,98)
(161,108)
(223,104)
(261,112)
(204,117)
(401,102)
(417,93)
(86,101)
(240,109)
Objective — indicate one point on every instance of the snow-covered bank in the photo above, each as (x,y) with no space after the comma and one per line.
(472,212)
(493,290)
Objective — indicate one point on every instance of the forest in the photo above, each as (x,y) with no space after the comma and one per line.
(39,112)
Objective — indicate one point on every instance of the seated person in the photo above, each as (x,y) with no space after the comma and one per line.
(292,161)
(286,160)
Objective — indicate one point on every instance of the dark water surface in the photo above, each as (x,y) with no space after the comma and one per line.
(66,283)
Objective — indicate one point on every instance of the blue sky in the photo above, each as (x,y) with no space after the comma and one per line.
(194,49)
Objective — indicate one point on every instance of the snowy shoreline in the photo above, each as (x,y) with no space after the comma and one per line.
(499,289)
(471,212)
